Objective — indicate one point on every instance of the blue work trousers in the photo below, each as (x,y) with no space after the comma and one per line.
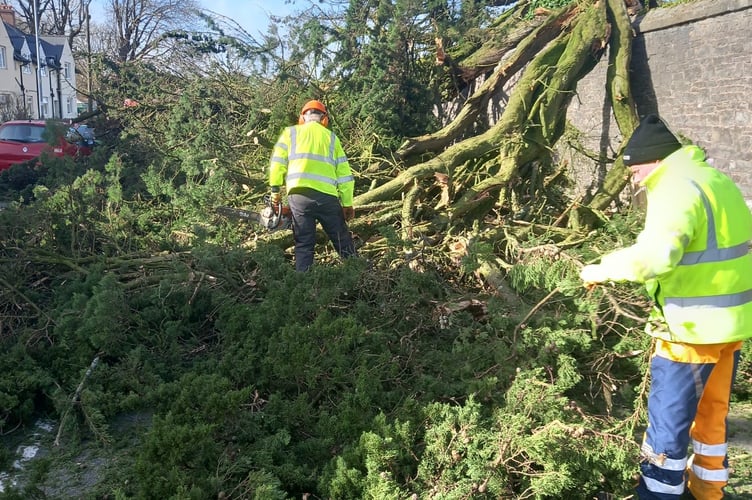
(688,404)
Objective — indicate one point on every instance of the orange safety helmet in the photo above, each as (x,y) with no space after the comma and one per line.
(314,105)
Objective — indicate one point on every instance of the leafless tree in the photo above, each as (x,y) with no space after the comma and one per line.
(138,25)
(56,17)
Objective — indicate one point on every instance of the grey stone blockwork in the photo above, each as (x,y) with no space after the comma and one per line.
(692,64)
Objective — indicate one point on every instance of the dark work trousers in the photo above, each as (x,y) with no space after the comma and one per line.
(309,206)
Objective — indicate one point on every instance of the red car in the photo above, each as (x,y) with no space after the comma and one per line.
(24,140)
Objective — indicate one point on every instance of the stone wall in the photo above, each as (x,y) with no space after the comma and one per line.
(691,64)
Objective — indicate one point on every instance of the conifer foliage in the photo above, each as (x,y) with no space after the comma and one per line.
(458,357)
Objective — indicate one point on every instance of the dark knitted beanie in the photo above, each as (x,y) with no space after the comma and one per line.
(651,141)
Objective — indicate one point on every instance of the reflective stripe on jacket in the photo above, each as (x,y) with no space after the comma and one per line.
(693,254)
(310,155)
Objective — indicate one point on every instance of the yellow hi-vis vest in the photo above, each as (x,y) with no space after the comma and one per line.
(693,253)
(311,156)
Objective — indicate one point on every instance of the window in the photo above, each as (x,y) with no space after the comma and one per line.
(3,64)
(43,70)
(69,106)
(22,133)
(67,69)
(4,99)
(36,134)
(26,68)
(15,133)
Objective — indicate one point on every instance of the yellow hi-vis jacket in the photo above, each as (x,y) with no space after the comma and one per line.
(311,156)
(693,253)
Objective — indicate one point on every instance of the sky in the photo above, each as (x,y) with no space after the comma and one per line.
(251,15)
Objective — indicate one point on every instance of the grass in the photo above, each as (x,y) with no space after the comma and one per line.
(740,451)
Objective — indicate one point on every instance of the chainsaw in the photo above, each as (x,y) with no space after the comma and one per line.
(273,217)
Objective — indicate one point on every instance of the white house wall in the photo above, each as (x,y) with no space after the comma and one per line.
(64,89)
(58,97)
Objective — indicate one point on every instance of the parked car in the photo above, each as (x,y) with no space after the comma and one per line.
(24,140)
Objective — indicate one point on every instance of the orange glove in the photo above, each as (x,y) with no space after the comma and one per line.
(348,212)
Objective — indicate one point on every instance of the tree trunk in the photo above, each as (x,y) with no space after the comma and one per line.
(530,124)
(622,104)
(529,40)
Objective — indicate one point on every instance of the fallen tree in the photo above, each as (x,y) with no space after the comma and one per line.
(409,378)
(468,172)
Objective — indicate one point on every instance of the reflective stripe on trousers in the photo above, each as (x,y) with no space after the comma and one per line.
(688,401)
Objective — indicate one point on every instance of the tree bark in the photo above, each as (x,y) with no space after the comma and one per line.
(529,40)
(529,126)
(624,109)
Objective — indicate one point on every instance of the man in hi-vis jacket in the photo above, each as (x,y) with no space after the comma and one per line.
(693,256)
(309,160)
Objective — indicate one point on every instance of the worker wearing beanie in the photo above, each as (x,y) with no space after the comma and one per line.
(693,257)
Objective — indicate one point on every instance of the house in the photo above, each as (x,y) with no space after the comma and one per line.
(37,76)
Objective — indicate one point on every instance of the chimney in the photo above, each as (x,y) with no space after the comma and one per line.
(8,14)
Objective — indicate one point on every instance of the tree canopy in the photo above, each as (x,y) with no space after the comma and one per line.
(459,358)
